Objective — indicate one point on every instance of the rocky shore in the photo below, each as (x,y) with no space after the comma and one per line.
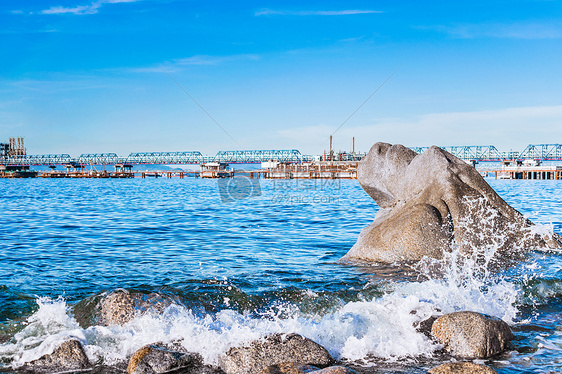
(464,336)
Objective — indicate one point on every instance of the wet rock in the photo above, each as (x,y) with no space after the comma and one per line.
(67,356)
(86,311)
(272,350)
(425,326)
(461,368)
(471,334)
(205,369)
(292,368)
(155,358)
(432,200)
(289,368)
(121,306)
(334,370)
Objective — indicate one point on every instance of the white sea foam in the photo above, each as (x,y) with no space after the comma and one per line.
(43,331)
(380,327)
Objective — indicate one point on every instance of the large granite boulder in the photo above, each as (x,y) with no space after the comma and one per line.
(471,335)
(165,358)
(289,368)
(432,201)
(461,368)
(274,349)
(68,356)
(120,306)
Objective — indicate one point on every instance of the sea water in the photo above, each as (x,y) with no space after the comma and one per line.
(262,263)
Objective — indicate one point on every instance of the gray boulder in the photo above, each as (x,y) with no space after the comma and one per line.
(67,356)
(289,368)
(274,349)
(160,358)
(431,201)
(121,306)
(471,334)
(461,368)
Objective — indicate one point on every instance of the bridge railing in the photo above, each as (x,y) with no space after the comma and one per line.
(256,156)
(29,160)
(99,159)
(188,157)
(491,153)
(542,152)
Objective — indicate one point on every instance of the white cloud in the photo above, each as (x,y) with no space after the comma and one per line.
(270,12)
(79,10)
(509,128)
(503,31)
(200,60)
(176,65)
(92,8)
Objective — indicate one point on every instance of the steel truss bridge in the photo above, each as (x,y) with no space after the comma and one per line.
(160,158)
(489,153)
(543,152)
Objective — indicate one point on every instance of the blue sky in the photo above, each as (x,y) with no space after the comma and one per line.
(81,76)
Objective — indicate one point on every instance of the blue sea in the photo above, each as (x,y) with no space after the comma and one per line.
(239,267)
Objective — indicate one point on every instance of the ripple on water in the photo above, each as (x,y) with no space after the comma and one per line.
(242,270)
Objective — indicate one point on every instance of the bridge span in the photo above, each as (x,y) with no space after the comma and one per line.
(160,158)
(489,153)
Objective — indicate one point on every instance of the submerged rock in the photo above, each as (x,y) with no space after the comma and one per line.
(273,350)
(471,334)
(431,201)
(121,306)
(161,358)
(461,368)
(67,356)
(289,368)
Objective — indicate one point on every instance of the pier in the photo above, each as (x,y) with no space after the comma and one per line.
(528,169)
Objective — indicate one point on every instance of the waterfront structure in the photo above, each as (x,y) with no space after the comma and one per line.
(289,163)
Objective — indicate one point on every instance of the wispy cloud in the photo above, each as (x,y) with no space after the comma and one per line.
(271,12)
(177,64)
(504,31)
(92,8)
(504,128)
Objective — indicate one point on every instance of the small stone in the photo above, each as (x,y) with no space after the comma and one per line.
(472,335)
(461,368)
(69,355)
(155,359)
(272,350)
